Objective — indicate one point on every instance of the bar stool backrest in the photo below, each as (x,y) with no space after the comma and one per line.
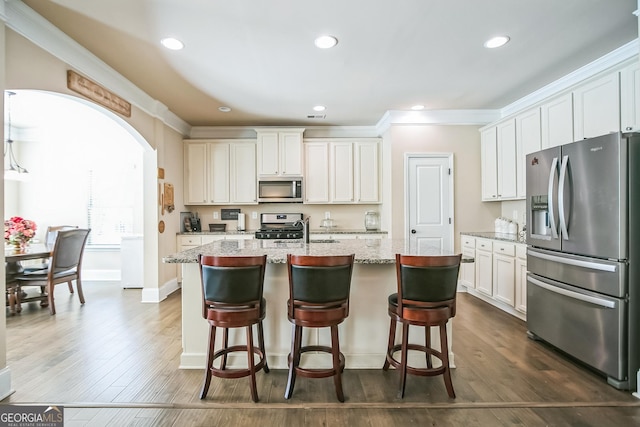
(320,279)
(232,280)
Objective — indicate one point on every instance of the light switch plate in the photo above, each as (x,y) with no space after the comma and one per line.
(215,215)
(254,215)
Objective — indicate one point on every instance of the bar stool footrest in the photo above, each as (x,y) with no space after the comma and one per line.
(425,372)
(236,373)
(317,372)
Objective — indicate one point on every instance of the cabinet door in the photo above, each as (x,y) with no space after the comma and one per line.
(489,166)
(557,121)
(504,278)
(290,153)
(242,175)
(630,97)
(219,170)
(341,172)
(484,273)
(506,159)
(528,140)
(195,173)
(521,285)
(597,107)
(367,176)
(316,176)
(467,270)
(268,153)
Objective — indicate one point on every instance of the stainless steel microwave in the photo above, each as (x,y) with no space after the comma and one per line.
(280,190)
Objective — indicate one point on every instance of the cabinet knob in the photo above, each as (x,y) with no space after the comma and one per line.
(413,231)
(629,128)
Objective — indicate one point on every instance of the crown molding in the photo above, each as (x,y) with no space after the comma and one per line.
(439,117)
(624,53)
(26,22)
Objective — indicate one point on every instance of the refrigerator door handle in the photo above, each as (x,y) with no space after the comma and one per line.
(571,294)
(552,219)
(561,181)
(574,262)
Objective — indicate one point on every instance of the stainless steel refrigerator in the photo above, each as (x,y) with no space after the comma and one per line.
(583,237)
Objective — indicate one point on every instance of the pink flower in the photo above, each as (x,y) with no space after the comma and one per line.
(19,230)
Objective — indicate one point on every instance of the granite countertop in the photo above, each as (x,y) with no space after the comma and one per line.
(367,251)
(505,237)
(312,231)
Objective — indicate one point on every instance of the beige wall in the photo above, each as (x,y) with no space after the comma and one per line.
(30,67)
(470,213)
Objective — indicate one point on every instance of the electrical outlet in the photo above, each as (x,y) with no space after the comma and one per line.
(215,215)
(254,215)
(327,215)
(515,215)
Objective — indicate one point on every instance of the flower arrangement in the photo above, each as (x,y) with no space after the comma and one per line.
(19,231)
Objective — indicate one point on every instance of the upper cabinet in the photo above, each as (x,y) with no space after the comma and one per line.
(342,171)
(630,98)
(279,152)
(528,140)
(557,121)
(498,156)
(220,172)
(597,107)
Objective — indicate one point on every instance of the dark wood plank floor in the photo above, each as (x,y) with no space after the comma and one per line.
(114,362)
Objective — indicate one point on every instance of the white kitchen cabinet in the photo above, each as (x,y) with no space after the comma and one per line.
(279,152)
(498,161)
(557,121)
(342,171)
(489,165)
(316,172)
(521,278)
(195,173)
(630,97)
(506,159)
(597,107)
(504,268)
(367,172)
(220,172)
(467,270)
(528,140)
(484,266)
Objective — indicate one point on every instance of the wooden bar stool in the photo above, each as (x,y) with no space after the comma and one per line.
(426,297)
(232,298)
(319,289)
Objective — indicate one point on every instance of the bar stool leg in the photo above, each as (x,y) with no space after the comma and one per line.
(261,344)
(335,352)
(210,352)
(444,349)
(225,344)
(251,365)
(403,359)
(392,341)
(294,360)
(427,344)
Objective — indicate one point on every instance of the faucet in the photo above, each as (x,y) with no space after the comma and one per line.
(305,228)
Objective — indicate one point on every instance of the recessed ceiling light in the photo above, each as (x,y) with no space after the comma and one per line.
(418,107)
(496,42)
(224,109)
(326,42)
(171,43)
(319,108)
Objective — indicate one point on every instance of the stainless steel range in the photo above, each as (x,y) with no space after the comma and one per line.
(280,226)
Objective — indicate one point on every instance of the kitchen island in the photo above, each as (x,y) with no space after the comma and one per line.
(363,335)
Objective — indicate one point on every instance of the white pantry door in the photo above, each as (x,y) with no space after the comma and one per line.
(429,201)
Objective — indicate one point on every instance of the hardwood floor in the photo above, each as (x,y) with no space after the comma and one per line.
(114,362)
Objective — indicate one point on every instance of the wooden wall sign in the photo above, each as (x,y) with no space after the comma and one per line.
(97,93)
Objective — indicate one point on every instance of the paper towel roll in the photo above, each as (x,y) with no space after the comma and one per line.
(241,226)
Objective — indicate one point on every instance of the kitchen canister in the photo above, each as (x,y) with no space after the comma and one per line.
(371,221)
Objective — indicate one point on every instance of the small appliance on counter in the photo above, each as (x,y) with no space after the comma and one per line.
(189,222)
(280,226)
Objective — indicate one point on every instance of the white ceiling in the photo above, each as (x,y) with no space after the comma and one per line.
(258,56)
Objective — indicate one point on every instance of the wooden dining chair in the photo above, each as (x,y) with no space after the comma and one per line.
(49,240)
(65,266)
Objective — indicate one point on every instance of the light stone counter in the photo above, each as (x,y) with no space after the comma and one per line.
(363,335)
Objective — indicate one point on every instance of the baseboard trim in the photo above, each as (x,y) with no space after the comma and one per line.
(155,295)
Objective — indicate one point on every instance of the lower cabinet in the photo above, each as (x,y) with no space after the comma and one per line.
(500,269)
(468,270)
(185,242)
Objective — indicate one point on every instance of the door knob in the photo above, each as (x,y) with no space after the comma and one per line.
(413,231)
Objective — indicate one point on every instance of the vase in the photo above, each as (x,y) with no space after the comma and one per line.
(20,246)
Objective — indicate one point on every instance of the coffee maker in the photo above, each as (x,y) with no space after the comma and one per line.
(189,222)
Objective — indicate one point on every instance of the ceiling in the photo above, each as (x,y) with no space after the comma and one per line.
(258,57)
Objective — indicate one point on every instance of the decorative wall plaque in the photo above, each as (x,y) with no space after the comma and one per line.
(97,93)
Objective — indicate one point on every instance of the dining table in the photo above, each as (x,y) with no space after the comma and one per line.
(14,266)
